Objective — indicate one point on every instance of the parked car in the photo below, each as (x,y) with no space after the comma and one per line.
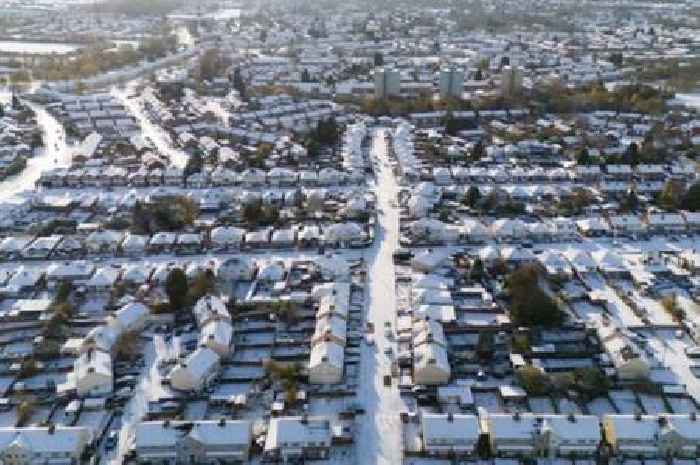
(111,441)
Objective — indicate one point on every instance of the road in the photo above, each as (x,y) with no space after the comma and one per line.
(160,138)
(380,430)
(136,408)
(54,154)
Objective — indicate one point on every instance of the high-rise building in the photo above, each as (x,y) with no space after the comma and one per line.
(451,82)
(511,80)
(387,82)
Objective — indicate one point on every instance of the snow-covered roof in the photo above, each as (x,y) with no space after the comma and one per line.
(295,432)
(163,434)
(56,439)
(327,352)
(210,308)
(194,371)
(525,426)
(441,428)
(129,317)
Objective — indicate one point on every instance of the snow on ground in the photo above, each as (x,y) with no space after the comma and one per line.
(669,350)
(137,406)
(652,307)
(689,100)
(156,134)
(379,440)
(54,154)
(617,307)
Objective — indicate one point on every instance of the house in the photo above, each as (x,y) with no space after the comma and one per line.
(653,436)
(508,229)
(29,310)
(330,328)
(11,247)
(203,441)
(542,435)
(91,376)
(622,172)
(629,361)
(260,238)
(129,318)
(427,260)
(588,172)
(431,231)
(449,434)
(626,224)
(103,241)
(103,280)
(330,305)
(227,237)
(297,438)
(217,336)
(610,263)
(162,242)
(475,231)
(282,237)
(554,264)
(237,268)
(188,243)
(210,308)
(665,223)
(196,371)
(326,363)
(692,219)
(37,445)
(42,247)
(343,233)
(100,338)
(651,172)
(134,244)
(430,364)
(22,281)
(69,271)
(459,393)
(593,227)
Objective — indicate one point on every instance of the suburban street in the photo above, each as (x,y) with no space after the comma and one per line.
(149,130)
(380,431)
(56,153)
(137,406)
